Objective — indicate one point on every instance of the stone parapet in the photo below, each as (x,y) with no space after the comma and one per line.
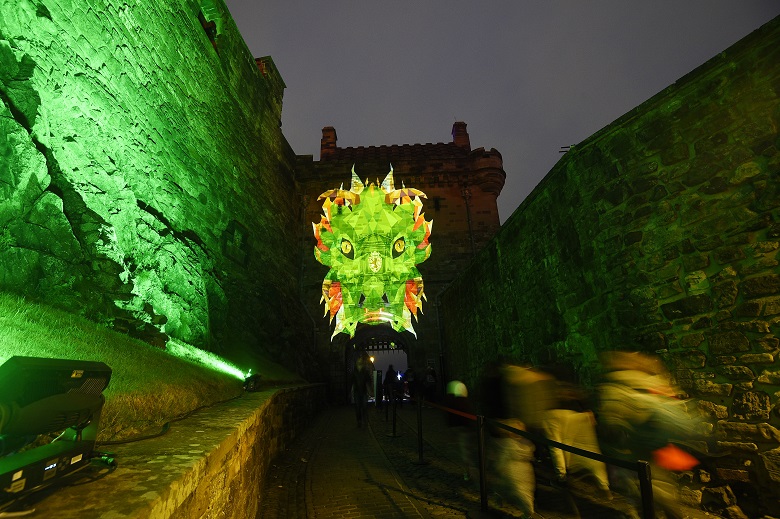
(209,465)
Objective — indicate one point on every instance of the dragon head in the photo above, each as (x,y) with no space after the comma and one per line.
(372,236)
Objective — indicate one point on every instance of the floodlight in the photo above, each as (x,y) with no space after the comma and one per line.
(40,396)
(252,383)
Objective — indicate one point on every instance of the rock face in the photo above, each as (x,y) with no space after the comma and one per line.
(659,233)
(144,190)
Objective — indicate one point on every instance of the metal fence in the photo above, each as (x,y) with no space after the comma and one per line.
(642,468)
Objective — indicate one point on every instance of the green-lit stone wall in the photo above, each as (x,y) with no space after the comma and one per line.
(144,178)
(659,233)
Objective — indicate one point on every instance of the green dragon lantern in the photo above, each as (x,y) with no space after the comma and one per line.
(372,236)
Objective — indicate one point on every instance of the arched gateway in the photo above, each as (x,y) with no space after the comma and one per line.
(380,342)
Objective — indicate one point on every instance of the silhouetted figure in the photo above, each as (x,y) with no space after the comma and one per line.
(361,386)
(516,453)
(389,383)
(429,384)
(568,419)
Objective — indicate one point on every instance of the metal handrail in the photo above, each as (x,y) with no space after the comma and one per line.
(642,468)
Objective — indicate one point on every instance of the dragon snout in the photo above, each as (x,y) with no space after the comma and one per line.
(364,302)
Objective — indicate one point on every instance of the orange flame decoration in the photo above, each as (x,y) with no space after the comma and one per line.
(331,296)
(414,295)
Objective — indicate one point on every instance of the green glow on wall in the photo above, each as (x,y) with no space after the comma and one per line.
(372,236)
(193,354)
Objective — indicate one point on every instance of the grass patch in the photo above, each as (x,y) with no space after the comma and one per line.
(148,387)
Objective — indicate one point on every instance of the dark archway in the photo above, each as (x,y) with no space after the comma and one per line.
(373,338)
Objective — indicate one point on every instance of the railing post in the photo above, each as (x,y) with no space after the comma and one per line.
(646,489)
(394,405)
(419,430)
(482,463)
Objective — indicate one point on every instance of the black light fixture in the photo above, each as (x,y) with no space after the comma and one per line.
(40,396)
(252,383)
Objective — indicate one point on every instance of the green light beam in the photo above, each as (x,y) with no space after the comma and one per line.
(205,358)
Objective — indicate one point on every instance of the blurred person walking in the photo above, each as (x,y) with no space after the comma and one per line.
(457,398)
(640,414)
(516,453)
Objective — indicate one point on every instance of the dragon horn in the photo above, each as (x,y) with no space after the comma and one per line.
(387,183)
(357,184)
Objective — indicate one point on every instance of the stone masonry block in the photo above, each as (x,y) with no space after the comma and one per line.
(745,172)
(706,387)
(760,433)
(751,405)
(692,341)
(757,358)
(720,497)
(756,325)
(761,286)
(713,410)
(687,307)
(690,496)
(772,306)
(695,261)
(760,265)
(769,377)
(733,474)
(696,282)
(729,254)
(741,446)
(748,309)
(689,359)
(771,461)
(737,372)
(728,342)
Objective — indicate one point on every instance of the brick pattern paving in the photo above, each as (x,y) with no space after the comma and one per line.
(337,470)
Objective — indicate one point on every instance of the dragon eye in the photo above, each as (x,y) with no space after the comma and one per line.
(399,247)
(346,248)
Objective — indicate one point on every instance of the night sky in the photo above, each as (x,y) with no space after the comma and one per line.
(527,77)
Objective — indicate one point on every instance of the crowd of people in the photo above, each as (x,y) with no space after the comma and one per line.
(395,387)
(635,413)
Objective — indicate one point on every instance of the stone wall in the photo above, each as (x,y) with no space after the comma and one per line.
(659,233)
(211,465)
(144,179)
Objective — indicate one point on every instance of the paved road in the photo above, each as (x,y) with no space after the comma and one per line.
(339,470)
(336,469)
